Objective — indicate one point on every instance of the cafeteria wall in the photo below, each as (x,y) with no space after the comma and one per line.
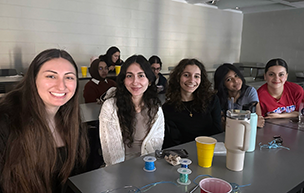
(277,34)
(87,28)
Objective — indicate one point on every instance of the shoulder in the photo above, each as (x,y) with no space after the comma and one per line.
(109,102)
(90,84)
(292,85)
(167,107)
(111,81)
(250,89)
(262,89)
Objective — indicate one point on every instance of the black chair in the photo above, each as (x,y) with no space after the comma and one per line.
(8,72)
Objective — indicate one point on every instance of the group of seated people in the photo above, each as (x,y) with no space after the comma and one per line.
(45,141)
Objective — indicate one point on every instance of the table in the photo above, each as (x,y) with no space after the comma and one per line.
(253,67)
(267,170)
(288,122)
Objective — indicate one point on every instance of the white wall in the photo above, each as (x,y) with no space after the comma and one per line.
(276,34)
(86,28)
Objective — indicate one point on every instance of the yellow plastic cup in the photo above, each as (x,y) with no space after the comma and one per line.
(117,69)
(84,70)
(205,149)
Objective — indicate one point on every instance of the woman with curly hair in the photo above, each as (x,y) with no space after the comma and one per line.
(42,141)
(191,109)
(132,122)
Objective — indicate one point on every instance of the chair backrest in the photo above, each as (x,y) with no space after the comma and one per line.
(8,72)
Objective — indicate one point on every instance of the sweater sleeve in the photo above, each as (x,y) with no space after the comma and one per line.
(110,134)
(155,138)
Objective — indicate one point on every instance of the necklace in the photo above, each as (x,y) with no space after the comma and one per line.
(190,113)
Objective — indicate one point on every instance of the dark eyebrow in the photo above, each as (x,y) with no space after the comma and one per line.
(57,73)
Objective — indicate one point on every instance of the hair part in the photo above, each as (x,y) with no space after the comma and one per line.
(125,106)
(155,59)
(276,62)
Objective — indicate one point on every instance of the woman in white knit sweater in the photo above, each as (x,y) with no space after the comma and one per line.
(132,122)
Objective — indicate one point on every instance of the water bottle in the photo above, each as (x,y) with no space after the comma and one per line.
(253,124)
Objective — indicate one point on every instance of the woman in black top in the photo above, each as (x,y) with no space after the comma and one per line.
(191,109)
(112,58)
(42,141)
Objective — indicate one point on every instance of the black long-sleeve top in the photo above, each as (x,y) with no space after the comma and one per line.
(180,127)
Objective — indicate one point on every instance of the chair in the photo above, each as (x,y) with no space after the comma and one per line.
(8,72)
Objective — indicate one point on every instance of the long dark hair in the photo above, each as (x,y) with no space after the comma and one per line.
(29,161)
(219,83)
(276,62)
(201,96)
(108,56)
(125,105)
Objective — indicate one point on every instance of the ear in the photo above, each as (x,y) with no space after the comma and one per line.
(149,83)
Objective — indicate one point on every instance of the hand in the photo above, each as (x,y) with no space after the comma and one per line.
(261,121)
(111,68)
(273,116)
(160,88)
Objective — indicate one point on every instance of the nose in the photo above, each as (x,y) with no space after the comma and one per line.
(61,84)
(134,80)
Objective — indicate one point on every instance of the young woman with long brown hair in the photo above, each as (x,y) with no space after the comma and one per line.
(132,122)
(42,141)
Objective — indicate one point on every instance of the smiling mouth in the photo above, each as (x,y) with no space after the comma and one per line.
(191,85)
(58,94)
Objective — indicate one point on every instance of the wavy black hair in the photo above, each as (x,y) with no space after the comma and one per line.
(124,103)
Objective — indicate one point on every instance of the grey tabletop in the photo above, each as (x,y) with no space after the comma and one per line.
(288,122)
(267,170)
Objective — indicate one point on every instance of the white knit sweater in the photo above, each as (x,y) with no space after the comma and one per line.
(113,149)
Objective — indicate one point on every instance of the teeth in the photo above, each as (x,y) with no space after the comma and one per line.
(58,94)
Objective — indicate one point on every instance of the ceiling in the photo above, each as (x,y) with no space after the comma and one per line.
(249,6)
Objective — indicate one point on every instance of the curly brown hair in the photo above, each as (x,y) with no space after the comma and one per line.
(201,96)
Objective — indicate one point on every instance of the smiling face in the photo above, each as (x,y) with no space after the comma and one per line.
(136,81)
(276,77)
(190,79)
(115,57)
(56,83)
(103,69)
(233,82)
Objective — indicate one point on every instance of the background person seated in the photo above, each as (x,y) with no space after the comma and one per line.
(99,83)
(161,81)
(112,57)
